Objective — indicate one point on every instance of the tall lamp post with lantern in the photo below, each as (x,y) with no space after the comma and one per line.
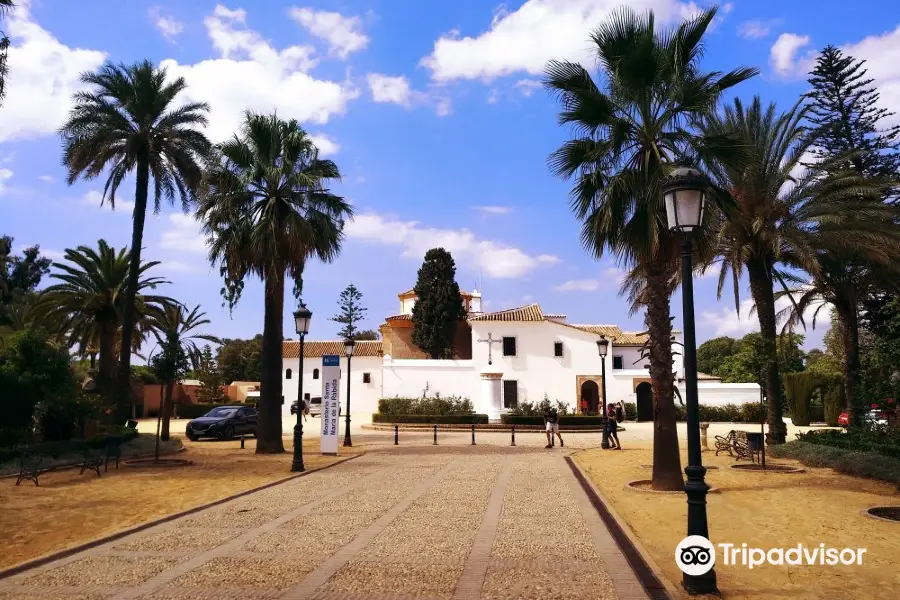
(684,194)
(302,317)
(603,349)
(349,347)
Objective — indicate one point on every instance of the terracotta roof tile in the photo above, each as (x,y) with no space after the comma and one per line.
(532,312)
(707,377)
(313,349)
(406,317)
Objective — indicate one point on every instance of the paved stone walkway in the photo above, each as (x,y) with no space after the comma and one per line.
(419,521)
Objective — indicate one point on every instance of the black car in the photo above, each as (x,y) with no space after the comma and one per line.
(223,422)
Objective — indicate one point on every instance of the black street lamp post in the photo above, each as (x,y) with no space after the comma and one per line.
(302,317)
(603,349)
(349,346)
(684,193)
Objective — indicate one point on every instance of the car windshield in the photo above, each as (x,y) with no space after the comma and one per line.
(221,412)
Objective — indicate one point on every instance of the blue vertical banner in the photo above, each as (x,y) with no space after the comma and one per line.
(331,380)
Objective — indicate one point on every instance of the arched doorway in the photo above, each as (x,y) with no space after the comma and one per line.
(591,393)
(644,402)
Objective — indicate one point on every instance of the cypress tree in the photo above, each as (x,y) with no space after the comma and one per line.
(846,118)
(439,307)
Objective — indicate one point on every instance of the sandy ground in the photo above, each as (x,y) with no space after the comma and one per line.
(764,510)
(68,508)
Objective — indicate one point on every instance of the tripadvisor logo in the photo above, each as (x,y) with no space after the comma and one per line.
(695,555)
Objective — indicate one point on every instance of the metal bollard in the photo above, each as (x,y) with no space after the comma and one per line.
(435,436)
(242,442)
(396,435)
(513,437)
(473,434)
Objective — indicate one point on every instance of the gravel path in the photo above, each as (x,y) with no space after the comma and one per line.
(453,521)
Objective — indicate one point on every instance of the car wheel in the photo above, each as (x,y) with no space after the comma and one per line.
(193,438)
(228,433)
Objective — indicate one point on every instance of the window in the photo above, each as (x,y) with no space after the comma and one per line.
(315,373)
(510,393)
(306,397)
(557,349)
(509,346)
(367,378)
(287,374)
(618,362)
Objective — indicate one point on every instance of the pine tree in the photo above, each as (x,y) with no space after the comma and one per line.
(351,312)
(846,118)
(210,377)
(439,307)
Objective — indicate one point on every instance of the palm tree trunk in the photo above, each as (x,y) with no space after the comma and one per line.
(166,410)
(761,288)
(268,429)
(666,456)
(106,374)
(123,389)
(849,321)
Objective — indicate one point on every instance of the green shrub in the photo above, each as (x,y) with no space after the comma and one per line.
(432,419)
(871,465)
(436,405)
(832,406)
(880,441)
(630,411)
(753,413)
(529,409)
(726,413)
(579,420)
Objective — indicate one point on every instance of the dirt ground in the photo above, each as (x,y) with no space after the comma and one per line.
(763,510)
(68,508)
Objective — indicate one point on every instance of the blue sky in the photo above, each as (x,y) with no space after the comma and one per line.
(431,110)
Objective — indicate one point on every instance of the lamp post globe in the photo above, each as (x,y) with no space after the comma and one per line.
(302,318)
(603,350)
(684,194)
(349,349)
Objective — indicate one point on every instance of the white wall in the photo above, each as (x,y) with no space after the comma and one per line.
(408,378)
(363,396)
(713,393)
(535,367)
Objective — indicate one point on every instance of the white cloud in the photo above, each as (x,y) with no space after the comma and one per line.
(252,74)
(46,178)
(183,234)
(43,74)
(578,285)
(783,55)
(527,87)
(524,39)
(726,321)
(95,198)
(396,90)
(493,96)
(882,56)
(177,266)
(755,29)
(343,34)
(169,27)
(494,210)
(5,174)
(326,145)
(495,259)
(386,88)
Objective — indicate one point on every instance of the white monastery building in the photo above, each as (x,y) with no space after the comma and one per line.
(499,359)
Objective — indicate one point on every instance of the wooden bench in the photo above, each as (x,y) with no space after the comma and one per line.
(33,464)
(736,444)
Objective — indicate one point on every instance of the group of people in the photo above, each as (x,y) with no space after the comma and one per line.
(615,414)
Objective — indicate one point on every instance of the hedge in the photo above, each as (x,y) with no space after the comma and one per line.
(432,419)
(192,411)
(727,413)
(435,405)
(849,462)
(882,443)
(585,421)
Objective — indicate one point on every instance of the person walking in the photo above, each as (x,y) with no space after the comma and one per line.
(585,406)
(551,423)
(612,425)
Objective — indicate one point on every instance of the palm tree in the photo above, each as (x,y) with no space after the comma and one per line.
(627,135)
(175,325)
(781,214)
(88,305)
(267,210)
(5,7)
(127,123)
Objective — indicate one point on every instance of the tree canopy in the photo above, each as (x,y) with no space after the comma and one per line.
(439,307)
(350,312)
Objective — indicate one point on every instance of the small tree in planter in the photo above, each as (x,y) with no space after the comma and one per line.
(170,364)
